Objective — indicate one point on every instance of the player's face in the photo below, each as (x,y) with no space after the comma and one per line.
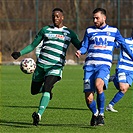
(99,19)
(57,18)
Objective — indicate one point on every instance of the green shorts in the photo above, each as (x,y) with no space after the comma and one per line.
(40,72)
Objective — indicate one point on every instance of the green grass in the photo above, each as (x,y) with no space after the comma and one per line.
(66,112)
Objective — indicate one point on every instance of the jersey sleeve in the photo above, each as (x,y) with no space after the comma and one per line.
(85,43)
(117,45)
(123,44)
(75,41)
(34,44)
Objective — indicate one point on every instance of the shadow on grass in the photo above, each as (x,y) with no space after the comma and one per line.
(60,108)
(5,123)
(15,124)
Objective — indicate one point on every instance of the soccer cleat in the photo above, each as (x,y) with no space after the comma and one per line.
(110,108)
(35,117)
(93,121)
(100,120)
(111,78)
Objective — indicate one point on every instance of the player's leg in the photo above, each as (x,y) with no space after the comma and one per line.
(100,100)
(100,95)
(91,104)
(101,83)
(44,101)
(110,106)
(48,85)
(35,87)
(37,80)
(89,89)
(122,82)
(118,96)
(111,78)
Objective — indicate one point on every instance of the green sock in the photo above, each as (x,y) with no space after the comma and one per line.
(44,102)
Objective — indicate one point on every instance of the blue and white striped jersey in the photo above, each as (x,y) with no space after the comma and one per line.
(99,44)
(125,63)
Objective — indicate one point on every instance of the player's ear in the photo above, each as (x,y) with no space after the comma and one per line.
(62,17)
(104,18)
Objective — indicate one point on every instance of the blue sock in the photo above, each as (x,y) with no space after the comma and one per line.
(101,102)
(92,107)
(116,98)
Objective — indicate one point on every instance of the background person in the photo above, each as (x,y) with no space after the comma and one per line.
(123,78)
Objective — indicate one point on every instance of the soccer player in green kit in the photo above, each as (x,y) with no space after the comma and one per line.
(56,39)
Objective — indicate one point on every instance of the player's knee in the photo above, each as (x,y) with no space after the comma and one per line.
(47,88)
(35,87)
(124,87)
(34,91)
(123,90)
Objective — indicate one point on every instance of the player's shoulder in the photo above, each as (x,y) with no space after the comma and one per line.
(47,26)
(112,28)
(129,40)
(68,30)
(90,27)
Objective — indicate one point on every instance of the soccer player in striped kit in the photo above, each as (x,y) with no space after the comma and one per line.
(56,40)
(99,44)
(123,77)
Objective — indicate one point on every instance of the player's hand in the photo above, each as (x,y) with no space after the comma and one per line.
(78,53)
(15,55)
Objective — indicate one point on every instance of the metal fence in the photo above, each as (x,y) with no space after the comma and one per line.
(20,20)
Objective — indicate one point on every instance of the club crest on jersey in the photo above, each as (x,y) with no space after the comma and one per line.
(108,33)
(65,33)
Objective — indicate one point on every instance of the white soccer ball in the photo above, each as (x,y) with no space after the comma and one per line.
(28,65)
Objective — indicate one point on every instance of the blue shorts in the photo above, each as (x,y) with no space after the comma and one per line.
(123,77)
(102,72)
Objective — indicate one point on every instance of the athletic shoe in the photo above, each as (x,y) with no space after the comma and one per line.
(93,121)
(35,117)
(100,120)
(111,78)
(110,108)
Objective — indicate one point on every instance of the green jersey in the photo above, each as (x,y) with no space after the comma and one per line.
(55,44)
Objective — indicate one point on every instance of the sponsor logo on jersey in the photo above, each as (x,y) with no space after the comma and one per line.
(50,35)
(100,42)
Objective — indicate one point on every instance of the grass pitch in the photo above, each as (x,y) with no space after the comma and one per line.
(66,112)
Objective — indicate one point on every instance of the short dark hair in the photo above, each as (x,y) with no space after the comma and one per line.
(57,9)
(103,11)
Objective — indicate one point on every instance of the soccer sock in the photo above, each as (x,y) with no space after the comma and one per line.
(116,98)
(101,102)
(92,107)
(44,102)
